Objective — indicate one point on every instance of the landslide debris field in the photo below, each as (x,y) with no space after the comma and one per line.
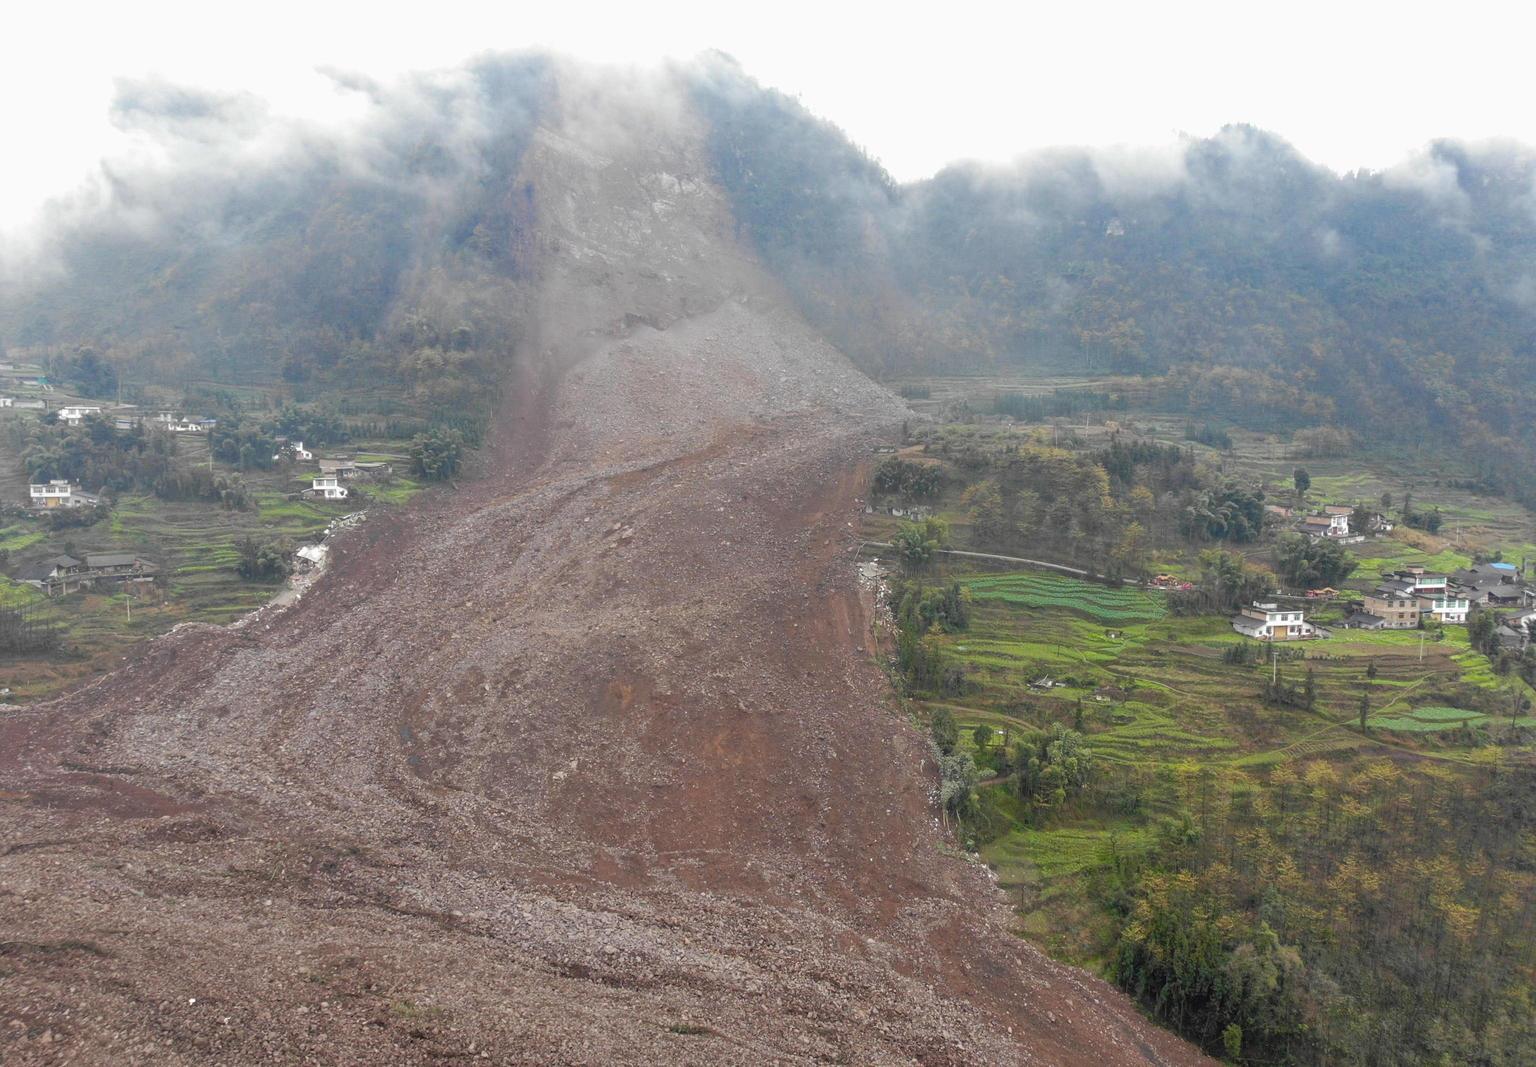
(582,761)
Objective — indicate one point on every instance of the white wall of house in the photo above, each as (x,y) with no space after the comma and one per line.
(1268,622)
(328,487)
(55,494)
(1450,610)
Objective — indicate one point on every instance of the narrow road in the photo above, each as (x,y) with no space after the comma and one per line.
(1076,572)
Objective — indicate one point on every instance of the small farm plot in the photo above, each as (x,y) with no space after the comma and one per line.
(1104,603)
(1435,719)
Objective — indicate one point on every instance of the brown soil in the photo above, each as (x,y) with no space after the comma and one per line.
(578,762)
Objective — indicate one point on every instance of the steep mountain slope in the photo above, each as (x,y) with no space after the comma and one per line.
(581,761)
(233,243)
(1399,303)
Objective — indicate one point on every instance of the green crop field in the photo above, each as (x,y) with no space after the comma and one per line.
(1431,719)
(1114,604)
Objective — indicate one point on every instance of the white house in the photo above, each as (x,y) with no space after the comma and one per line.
(328,487)
(74,413)
(1270,622)
(1331,525)
(182,424)
(59,494)
(1425,584)
(294,450)
(1432,591)
(1447,608)
(7,401)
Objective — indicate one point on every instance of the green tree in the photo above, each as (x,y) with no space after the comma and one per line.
(957,782)
(982,735)
(1360,520)
(915,543)
(909,479)
(1301,480)
(436,454)
(1129,556)
(989,516)
(262,561)
(944,731)
(1309,562)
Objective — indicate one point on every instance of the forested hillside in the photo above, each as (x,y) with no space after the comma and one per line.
(1257,285)
(237,246)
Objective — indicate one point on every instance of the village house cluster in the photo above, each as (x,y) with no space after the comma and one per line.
(127,417)
(1335,522)
(334,472)
(1407,600)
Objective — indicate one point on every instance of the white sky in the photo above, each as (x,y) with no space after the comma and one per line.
(1351,84)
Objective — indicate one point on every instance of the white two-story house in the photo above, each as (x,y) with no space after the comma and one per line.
(1265,621)
(74,414)
(59,494)
(327,487)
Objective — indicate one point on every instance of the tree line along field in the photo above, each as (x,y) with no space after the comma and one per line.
(192,541)
(1265,873)
(965,422)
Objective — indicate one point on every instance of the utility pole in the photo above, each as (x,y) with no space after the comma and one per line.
(1274,655)
(1421,646)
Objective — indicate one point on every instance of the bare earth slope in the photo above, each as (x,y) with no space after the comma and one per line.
(581,762)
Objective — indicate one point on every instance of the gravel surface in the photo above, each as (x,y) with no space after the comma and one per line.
(579,761)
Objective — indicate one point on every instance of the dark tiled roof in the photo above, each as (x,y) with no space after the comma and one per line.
(111,559)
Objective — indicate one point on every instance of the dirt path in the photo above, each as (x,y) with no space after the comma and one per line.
(575,763)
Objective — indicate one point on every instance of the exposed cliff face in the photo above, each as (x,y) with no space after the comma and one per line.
(581,762)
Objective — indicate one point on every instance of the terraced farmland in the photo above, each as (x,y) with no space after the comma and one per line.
(1432,719)
(1159,704)
(1112,604)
